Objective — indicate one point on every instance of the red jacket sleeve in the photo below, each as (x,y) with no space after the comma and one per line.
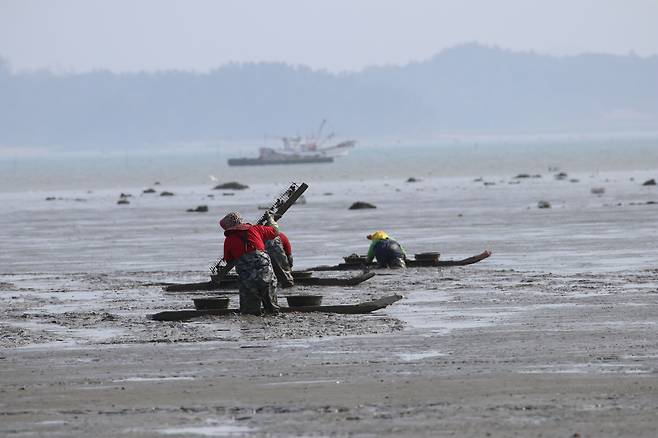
(229,244)
(286,243)
(266,232)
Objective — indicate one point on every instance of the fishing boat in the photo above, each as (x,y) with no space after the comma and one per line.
(298,150)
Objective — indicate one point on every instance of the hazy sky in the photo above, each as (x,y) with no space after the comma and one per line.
(129,35)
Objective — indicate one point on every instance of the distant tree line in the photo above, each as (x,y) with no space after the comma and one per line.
(467,88)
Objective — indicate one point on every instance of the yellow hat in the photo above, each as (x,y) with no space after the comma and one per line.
(377,235)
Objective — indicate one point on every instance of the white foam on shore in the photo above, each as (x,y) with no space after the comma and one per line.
(72,335)
(220,430)
(586,368)
(412,357)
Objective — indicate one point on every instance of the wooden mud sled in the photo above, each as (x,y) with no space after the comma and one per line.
(352,309)
(358,263)
(231,283)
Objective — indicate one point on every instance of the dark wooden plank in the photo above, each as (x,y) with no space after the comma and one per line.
(361,308)
(233,284)
(410,264)
(318,281)
(366,307)
(466,261)
(189,287)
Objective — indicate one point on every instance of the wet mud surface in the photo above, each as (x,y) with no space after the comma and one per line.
(84,309)
(474,351)
(554,335)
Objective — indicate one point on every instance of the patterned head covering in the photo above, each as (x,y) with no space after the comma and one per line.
(231,220)
(377,235)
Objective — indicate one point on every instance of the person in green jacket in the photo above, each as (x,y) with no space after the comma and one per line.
(388,252)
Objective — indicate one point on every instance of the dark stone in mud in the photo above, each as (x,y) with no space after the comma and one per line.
(361,205)
(597,190)
(327,194)
(560,176)
(228,194)
(522,175)
(50,198)
(649,182)
(125,195)
(536,175)
(157,183)
(478,179)
(651,202)
(149,190)
(199,209)
(412,180)
(166,194)
(543,204)
(233,185)
(123,201)
(489,183)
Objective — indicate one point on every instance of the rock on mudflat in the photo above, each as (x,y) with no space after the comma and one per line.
(543,204)
(649,182)
(199,209)
(123,201)
(233,185)
(597,190)
(361,205)
(412,180)
(166,194)
(149,190)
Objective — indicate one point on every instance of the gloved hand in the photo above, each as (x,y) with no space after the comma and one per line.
(290,260)
(270,219)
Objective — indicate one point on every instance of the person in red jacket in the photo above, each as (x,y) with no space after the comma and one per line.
(245,248)
(280,253)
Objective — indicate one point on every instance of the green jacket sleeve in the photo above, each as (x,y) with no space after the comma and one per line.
(371,251)
(404,251)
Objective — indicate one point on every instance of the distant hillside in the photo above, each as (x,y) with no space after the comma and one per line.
(467,88)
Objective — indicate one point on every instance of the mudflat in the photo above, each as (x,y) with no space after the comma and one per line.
(554,335)
(529,354)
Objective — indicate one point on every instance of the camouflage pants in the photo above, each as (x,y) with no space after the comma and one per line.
(280,263)
(257,284)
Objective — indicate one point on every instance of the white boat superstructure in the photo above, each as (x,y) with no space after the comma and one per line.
(296,150)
